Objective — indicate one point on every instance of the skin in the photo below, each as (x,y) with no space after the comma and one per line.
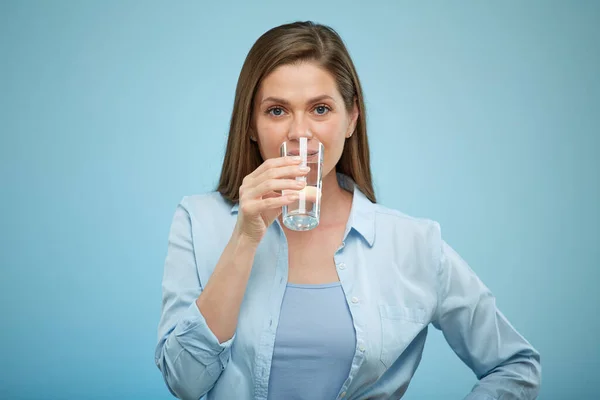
(293,101)
(303,100)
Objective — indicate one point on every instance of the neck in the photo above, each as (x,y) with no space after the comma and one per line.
(336,204)
(335,201)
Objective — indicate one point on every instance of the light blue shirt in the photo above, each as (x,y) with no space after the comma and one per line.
(398,276)
(314,345)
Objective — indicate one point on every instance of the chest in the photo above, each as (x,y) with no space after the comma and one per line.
(383,295)
(311,255)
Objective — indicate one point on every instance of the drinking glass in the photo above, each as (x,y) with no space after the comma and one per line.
(304,214)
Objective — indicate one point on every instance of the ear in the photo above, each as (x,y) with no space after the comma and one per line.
(252,134)
(353,119)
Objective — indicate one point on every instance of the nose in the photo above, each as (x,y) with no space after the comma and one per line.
(299,128)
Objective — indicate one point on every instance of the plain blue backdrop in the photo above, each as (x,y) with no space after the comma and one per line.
(486,114)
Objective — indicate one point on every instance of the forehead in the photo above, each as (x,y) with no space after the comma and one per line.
(296,81)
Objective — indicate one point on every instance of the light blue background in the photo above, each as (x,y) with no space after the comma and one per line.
(482,116)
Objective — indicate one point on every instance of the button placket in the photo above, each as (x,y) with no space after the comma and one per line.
(267,341)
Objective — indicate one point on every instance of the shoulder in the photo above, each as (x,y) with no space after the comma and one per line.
(210,218)
(203,205)
(420,237)
(205,214)
(395,221)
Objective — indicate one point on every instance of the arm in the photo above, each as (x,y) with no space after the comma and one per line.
(197,327)
(507,366)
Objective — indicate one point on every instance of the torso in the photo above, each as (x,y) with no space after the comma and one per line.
(311,253)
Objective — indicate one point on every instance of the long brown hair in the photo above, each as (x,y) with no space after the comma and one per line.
(288,44)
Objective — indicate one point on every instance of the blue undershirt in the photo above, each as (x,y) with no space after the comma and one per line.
(314,345)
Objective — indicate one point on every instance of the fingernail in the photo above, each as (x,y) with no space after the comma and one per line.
(296,158)
(304,168)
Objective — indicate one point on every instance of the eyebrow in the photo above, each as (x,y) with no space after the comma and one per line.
(287,103)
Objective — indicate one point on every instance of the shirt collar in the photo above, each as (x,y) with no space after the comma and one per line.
(362,213)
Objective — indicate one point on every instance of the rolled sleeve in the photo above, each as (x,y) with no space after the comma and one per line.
(195,337)
(479,396)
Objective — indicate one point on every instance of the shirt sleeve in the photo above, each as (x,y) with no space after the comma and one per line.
(188,354)
(506,365)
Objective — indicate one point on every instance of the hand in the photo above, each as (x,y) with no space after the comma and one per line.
(260,195)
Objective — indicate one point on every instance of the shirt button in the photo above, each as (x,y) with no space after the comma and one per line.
(343,394)
(355,300)
(342,266)
(361,348)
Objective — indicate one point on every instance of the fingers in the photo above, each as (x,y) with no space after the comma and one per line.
(275,163)
(275,185)
(259,185)
(290,171)
(261,190)
(257,206)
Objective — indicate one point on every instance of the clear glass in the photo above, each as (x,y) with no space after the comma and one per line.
(304,214)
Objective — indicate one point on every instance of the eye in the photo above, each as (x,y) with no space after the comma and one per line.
(322,109)
(275,111)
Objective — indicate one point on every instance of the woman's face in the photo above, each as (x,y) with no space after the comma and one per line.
(302,100)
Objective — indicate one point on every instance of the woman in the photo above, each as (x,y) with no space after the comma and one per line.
(252,310)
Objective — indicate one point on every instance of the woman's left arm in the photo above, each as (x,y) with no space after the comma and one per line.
(507,366)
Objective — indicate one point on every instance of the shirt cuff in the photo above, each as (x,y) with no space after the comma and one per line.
(194,335)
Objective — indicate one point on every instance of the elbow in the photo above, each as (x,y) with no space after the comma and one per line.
(184,382)
(184,391)
(524,370)
(535,363)
(531,361)
(531,380)
(190,361)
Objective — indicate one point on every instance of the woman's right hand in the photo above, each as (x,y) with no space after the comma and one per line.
(260,198)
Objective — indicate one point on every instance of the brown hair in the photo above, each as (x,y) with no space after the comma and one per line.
(288,44)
